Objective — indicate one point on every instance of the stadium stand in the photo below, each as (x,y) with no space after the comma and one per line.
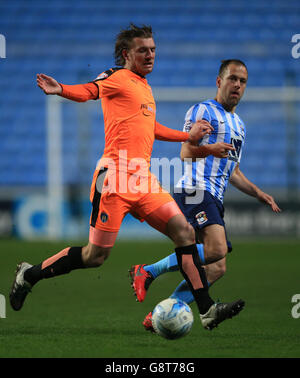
(73,41)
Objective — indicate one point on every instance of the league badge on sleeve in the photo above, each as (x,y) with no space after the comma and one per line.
(102,76)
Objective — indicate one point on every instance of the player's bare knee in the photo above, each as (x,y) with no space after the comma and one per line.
(99,257)
(94,256)
(215,252)
(185,235)
(99,260)
(221,270)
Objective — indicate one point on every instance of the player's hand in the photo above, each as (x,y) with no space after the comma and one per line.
(199,130)
(221,149)
(269,200)
(48,84)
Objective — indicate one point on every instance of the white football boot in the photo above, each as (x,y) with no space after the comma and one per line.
(219,312)
(20,287)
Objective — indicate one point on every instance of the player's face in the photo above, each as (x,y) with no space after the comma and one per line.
(231,86)
(140,57)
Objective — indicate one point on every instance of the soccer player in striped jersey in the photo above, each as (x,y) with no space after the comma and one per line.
(213,162)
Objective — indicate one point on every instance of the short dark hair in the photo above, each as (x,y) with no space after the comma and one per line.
(125,37)
(225,64)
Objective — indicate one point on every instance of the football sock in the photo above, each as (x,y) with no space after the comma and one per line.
(170,263)
(190,267)
(183,292)
(63,262)
(200,248)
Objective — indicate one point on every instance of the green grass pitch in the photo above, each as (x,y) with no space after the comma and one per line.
(93,313)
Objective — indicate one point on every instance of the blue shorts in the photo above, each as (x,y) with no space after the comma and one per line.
(201,209)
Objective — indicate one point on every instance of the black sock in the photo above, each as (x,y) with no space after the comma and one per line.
(203,300)
(61,263)
(201,295)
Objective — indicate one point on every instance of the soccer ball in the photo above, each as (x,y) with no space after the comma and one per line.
(172,318)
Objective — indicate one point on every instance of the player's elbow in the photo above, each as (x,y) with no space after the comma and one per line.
(192,153)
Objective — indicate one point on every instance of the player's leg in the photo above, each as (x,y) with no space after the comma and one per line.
(143,275)
(63,262)
(211,313)
(141,278)
(183,235)
(161,212)
(106,219)
(214,242)
(214,237)
(169,263)
(213,272)
(206,214)
(217,313)
(182,292)
(214,250)
(89,256)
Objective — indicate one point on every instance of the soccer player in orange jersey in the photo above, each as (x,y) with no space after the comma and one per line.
(122,182)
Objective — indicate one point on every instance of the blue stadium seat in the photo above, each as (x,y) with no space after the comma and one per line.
(73,41)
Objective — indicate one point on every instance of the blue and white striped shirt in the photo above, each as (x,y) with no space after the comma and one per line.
(212,174)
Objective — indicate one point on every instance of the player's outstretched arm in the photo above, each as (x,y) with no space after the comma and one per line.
(199,129)
(48,84)
(219,150)
(240,181)
(78,92)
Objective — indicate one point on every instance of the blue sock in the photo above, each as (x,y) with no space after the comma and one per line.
(200,248)
(170,264)
(183,292)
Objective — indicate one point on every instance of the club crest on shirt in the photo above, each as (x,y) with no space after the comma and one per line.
(201,217)
(103,217)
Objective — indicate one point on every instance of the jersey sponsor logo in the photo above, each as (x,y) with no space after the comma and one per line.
(201,217)
(237,144)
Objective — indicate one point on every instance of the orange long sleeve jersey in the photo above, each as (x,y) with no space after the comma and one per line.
(129,114)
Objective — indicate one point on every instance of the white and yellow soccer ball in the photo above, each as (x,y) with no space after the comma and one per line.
(172,318)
